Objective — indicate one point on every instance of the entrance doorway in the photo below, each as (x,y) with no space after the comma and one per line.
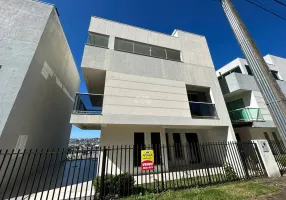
(193,142)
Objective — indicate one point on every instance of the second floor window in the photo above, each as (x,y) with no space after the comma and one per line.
(146,49)
(99,40)
(248,70)
(275,74)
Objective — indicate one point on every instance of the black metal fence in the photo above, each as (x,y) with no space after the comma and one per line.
(279,151)
(115,171)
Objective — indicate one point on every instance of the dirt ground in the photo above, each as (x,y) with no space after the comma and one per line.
(278,182)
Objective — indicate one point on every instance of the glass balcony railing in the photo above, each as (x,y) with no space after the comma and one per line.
(88,104)
(246,115)
(203,110)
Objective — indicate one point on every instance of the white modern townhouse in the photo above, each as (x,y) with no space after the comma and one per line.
(150,88)
(38,77)
(247,109)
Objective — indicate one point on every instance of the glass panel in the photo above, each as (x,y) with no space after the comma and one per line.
(98,39)
(142,48)
(237,70)
(248,70)
(158,52)
(203,110)
(275,74)
(123,45)
(173,54)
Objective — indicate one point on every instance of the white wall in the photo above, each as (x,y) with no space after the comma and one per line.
(248,133)
(44,103)
(20,31)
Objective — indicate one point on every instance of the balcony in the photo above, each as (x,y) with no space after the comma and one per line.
(88,104)
(203,110)
(246,115)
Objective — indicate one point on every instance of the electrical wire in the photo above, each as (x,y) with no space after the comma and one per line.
(265,9)
(280,2)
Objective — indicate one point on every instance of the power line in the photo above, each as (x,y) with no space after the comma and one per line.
(280,2)
(267,10)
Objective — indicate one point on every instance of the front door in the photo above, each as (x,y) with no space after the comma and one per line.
(193,142)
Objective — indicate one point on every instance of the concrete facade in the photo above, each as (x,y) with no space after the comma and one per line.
(242,85)
(145,94)
(38,77)
(143,90)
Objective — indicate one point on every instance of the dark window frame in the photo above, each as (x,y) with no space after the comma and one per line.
(137,149)
(94,33)
(275,74)
(150,45)
(248,69)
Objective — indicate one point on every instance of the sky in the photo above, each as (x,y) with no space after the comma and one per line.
(204,17)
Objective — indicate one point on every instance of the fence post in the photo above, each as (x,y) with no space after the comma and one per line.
(161,164)
(268,160)
(241,155)
(101,192)
(208,170)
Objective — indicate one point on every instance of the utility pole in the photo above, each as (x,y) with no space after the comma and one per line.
(271,92)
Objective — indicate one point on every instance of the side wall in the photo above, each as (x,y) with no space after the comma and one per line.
(20,31)
(42,109)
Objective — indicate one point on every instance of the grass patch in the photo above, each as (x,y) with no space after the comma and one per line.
(230,191)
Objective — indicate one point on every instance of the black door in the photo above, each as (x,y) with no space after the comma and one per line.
(139,145)
(192,139)
(156,145)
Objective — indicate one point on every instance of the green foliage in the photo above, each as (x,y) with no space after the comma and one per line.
(229,172)
(121,184)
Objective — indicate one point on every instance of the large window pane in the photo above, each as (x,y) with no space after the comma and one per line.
(275,74)
(158,52)
(237,70)
(142,48)
(173,55)
(248,70)
(123,45)
(98,39)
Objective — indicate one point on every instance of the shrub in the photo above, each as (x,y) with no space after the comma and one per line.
(229,172)
(108,183)
(121,184)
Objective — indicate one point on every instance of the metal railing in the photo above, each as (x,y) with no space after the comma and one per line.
(279,151)
(246,115)
(88,104)
(111,172)
(203,110)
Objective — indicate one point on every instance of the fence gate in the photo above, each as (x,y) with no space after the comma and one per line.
(279,152)
(251,160)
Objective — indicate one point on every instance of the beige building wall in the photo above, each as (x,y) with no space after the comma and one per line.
(142,90)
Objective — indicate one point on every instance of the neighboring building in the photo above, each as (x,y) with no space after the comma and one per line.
(38,77)
(149,88)
(248,112)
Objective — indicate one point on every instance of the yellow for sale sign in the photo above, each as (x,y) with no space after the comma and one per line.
(147,160)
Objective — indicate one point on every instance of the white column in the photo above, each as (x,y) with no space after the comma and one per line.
(164,150)
(267,157)
(171,145)
(184,144)
(147,137)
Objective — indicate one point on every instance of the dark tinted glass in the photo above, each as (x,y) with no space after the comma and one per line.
(173,55)
(123,45)
(158,52)
(98,39)
(142,48)
(248,70)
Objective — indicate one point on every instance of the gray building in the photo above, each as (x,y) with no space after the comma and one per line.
(248,111)
(38,77)
(149,88)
